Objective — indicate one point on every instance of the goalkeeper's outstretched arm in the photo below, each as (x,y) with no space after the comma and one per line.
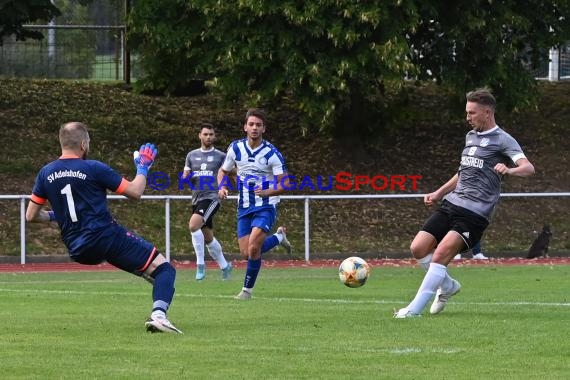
(143,160)
(135,188)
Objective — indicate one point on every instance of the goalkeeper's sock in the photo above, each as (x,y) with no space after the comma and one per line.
(253,267)
(270,242)
(163,288)
(198,243)
(432,281)
(215,250)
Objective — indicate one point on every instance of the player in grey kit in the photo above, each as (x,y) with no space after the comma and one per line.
(202,166)
(470,198)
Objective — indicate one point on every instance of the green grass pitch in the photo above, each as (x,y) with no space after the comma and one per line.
(508,322)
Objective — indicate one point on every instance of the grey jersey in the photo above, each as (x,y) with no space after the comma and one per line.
(204,166)
(479,186)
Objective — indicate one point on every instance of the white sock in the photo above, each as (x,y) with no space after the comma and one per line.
(279,237)
(447,283)
(198,243)
(432,280)
(215,250)
(424,262)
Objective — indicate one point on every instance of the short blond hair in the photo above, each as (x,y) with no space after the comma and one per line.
(72,134)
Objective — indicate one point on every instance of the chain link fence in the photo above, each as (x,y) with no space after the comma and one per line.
(557,66)
(98,52)
(92,52)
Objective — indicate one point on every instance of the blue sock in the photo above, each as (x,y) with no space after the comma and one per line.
(163,289)
(269,243)
(253,267)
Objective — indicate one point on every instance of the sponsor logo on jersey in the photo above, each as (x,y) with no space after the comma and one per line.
(204,173)
(484,141)
(473,162)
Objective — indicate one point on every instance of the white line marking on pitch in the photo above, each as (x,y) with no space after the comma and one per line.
(285,299)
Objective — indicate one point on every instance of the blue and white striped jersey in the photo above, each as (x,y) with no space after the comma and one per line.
(256,168)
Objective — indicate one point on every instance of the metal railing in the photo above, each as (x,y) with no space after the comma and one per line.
(305,198)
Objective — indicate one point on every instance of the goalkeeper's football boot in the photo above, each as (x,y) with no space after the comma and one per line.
(405,313)
(200,271)
(441,298)
(243,295)
(227,272)
(160,324)
(285,243)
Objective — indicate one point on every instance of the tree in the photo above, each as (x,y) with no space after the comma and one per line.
(467,44)
(70,55)
(15,13)
(338,61)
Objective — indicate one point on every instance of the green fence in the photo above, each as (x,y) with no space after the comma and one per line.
(93,52)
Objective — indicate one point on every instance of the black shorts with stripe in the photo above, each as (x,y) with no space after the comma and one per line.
(119,247)
(449,217)
(206,208)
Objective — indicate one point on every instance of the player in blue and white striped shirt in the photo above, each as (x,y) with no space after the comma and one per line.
(261,177)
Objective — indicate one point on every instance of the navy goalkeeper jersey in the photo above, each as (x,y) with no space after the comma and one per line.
(77,192)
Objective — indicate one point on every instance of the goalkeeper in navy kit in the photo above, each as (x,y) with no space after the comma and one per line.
(76,189)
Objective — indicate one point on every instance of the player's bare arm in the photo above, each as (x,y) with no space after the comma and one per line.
(35,213)
(223,177)
(135,188)
(523,168)
(281,185)
(233,177)
(431,198)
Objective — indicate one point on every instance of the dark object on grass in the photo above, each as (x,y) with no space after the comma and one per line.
(539,247)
